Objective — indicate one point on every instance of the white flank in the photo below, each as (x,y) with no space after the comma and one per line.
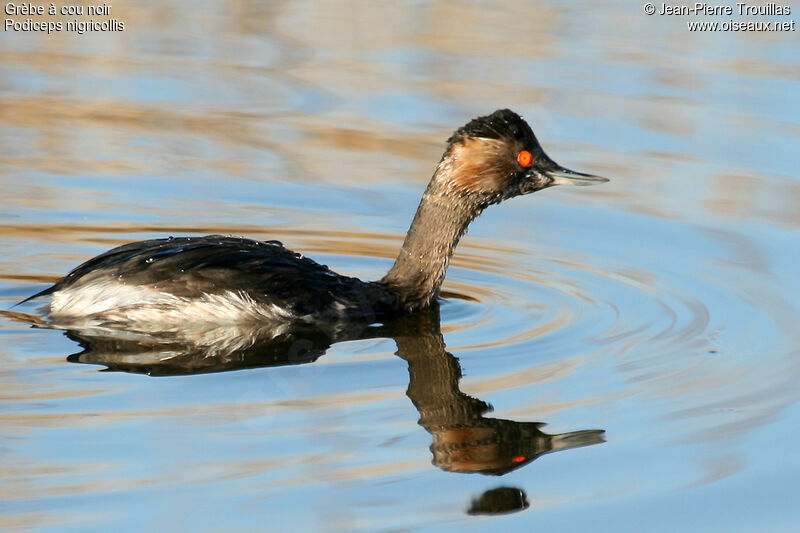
(117,302)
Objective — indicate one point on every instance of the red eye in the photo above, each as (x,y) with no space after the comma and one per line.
(525,158)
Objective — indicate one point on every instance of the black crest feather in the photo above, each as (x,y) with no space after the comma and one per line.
(502,124)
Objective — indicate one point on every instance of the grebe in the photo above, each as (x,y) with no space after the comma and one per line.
(167,283)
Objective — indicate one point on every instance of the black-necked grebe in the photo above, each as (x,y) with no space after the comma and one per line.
(162,283)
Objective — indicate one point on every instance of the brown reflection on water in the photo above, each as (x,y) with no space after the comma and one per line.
(741,197)
(337,138)
(51,112)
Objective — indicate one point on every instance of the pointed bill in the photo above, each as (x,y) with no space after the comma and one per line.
(565,176)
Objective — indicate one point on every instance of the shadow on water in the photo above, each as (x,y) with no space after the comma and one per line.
(464,440)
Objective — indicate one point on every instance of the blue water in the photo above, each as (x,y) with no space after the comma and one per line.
(661,307)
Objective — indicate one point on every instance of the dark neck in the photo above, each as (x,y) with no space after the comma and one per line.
(420,267)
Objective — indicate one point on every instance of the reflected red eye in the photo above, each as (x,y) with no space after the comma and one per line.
(525,158)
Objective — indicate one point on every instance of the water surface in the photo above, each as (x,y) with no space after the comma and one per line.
(661,308)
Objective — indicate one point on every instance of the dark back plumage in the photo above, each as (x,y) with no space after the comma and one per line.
(191,266)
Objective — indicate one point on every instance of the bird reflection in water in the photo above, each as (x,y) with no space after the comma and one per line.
(464,440)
